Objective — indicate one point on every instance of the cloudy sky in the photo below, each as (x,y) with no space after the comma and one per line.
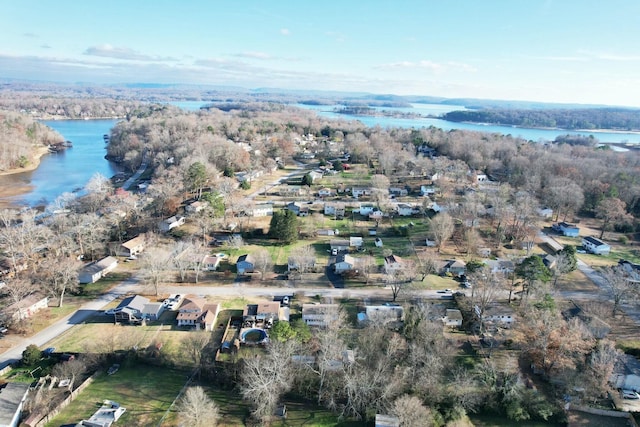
(583,51)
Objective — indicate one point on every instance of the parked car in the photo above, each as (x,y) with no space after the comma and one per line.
(630,394)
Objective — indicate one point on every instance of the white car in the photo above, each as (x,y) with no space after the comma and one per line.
(630,394)
(111,311)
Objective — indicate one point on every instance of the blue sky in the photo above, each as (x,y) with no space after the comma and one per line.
(579,51)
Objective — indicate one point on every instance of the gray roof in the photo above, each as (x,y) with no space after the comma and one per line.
(135,302)
(11,396)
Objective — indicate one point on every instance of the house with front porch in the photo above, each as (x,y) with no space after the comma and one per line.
(404,209)
(130,309)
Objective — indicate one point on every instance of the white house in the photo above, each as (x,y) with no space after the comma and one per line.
(319,314)
(171,223)
(96,270)
(132,247)
(366,209)
(359,192)
(25,308)
(334,209)
(545,212)
(210,262)
(397,191)
(325,192)
(595,246)
(382,313)
(498,314)
(393,263)
(344,263)
(452,318)
(404,210)
(261,209)
(427,190)
(355,242)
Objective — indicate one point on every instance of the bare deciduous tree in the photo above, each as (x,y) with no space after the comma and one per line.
(619,287)
(411,412)
(196,409)
(195,343)
(441,226)
(60,275)
(262,261)
(154,267)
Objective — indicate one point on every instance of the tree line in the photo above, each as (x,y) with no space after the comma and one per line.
(588,118)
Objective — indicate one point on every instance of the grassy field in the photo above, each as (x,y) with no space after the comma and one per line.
(483,420)
(146,392)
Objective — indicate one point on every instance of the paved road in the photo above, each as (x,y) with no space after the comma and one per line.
(83,313)
(143,167)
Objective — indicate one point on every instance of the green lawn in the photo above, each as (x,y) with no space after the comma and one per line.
(146,392)
(484,420)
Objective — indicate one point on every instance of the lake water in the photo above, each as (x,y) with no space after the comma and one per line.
(70,169)
(437,109)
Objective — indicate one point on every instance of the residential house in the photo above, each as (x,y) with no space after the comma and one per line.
(26,307)
(261,210)
(546,213)
(298,208)
(264,312)
(339,245)
(12,398)
(404,209)
(452,318)
(595,246)
(355,242)
(503,266)
(171,223)
(315,176)
(198,313)
(245,264)
(427,190)
(195,207)
(132,247)
(376,215)
(383,420)
(549,260)
(298,263)
(393,264)
(210,263)
(357,192)
(382,313)
(325,192)
(498,314)
(455,267)
(366,209)
(334,209)
(398,191)
(153,311)
(130,309)
(566,229)
(319,314)
(344,263)
(94,271)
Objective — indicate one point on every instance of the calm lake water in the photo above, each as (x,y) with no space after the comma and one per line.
(70,169)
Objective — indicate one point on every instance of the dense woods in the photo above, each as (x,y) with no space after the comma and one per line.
(591,118)
(20,136)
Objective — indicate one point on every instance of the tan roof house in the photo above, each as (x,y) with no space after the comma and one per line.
(198,313)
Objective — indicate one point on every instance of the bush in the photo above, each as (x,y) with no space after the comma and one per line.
(245,185)
(31,355)
(623,240)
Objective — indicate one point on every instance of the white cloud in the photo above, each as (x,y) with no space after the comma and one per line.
(285,31)
(254,55)
(434,67)
(108,51)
